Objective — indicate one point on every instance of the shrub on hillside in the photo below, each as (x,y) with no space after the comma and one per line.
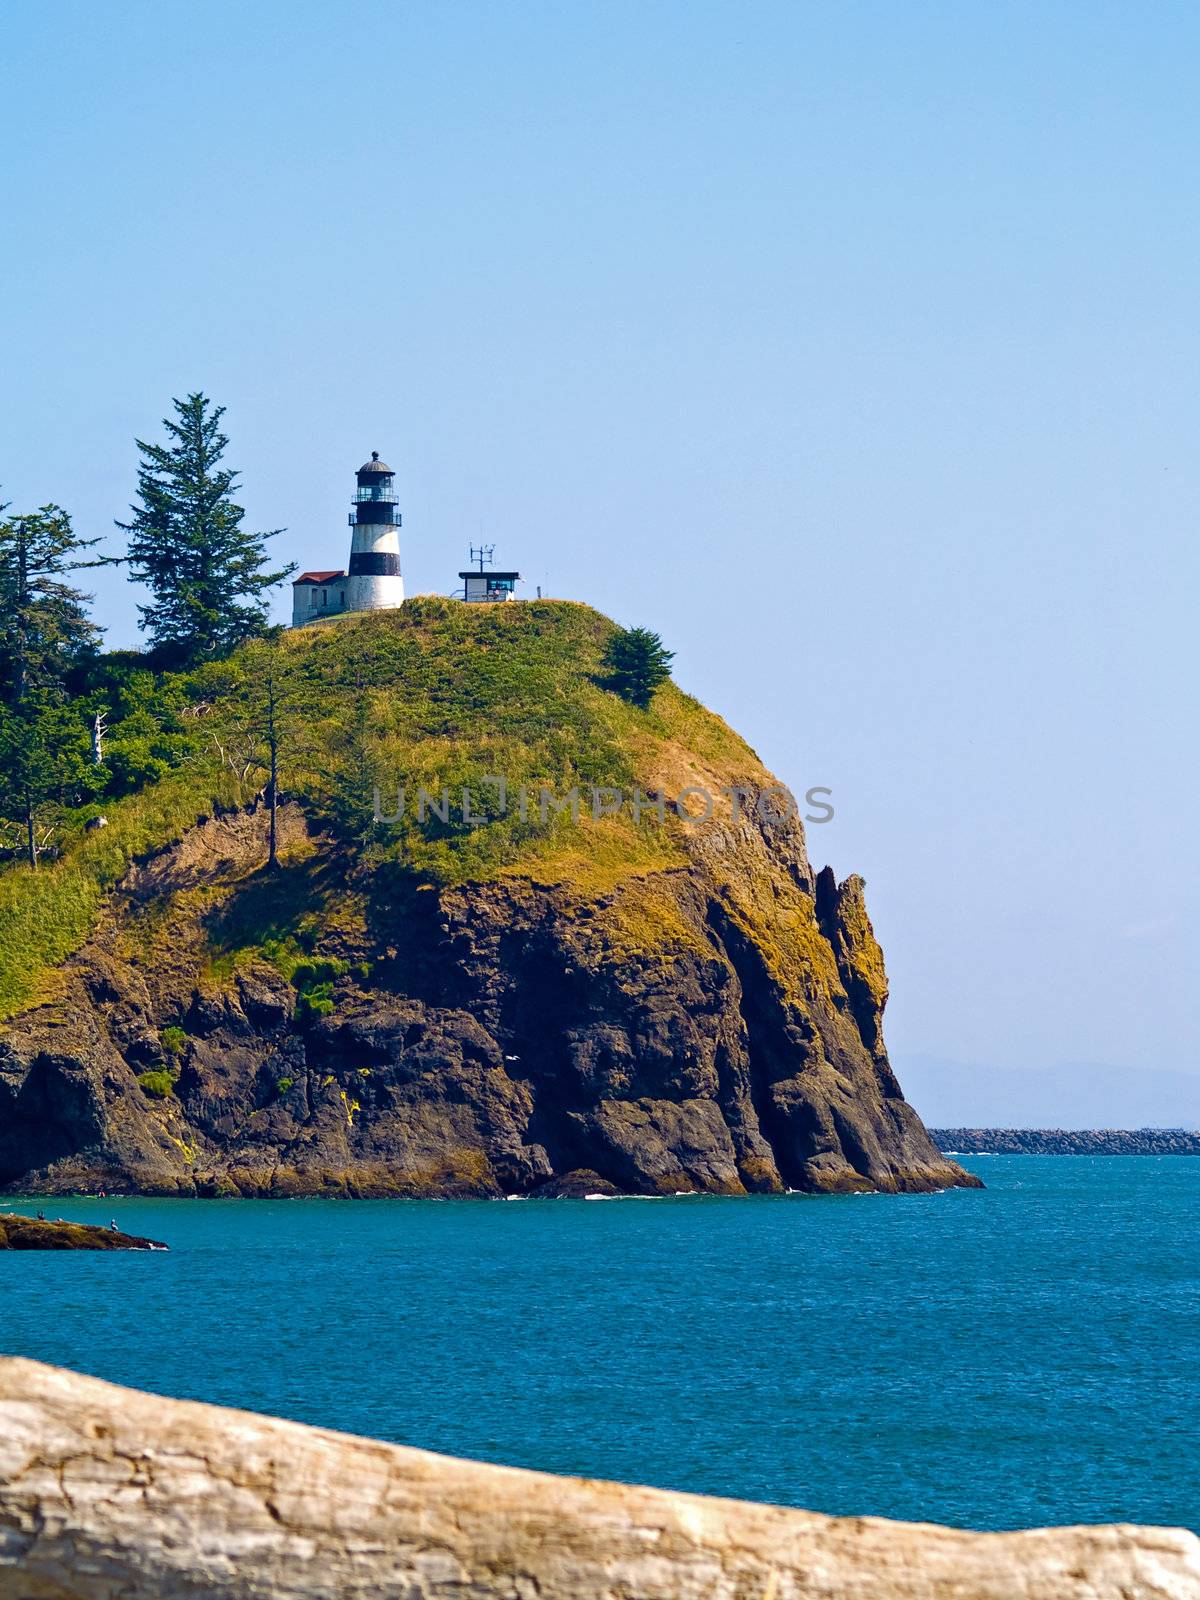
(156,1085)
(638,663)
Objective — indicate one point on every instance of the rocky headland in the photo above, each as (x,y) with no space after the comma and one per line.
(532,1006)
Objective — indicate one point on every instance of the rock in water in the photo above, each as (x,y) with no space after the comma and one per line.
(106,1492)
(539,1006)
(36,1233)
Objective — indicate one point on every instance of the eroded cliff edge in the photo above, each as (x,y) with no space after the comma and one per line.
(713,1027)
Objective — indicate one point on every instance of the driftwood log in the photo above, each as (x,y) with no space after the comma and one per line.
(110,1494)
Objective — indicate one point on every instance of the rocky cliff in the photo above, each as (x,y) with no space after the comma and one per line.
(602,1005)
(107,1492)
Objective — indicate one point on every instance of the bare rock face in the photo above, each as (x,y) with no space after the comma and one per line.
(714,1027)
(109,1494)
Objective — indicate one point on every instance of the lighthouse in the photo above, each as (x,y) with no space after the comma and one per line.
(373,581)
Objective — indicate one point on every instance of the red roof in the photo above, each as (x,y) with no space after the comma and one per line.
(318,577)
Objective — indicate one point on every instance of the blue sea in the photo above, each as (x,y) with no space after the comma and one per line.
(1025,1354)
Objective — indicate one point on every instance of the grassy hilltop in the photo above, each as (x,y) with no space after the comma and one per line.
(439,1007)
(436,694)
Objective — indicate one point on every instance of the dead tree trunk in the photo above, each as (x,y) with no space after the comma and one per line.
(106,1492)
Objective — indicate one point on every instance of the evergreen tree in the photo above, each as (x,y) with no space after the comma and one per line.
(141,723)
(637,663)
(268,722)
(207,574)
(44,627)
(45,769)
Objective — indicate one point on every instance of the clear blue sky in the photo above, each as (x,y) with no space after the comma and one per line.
(852,346)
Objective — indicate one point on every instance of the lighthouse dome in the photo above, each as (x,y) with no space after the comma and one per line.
(374,465)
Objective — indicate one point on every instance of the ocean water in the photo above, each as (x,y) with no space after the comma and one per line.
(1026,1354)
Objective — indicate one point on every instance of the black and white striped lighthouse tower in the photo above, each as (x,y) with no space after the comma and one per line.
(373,581)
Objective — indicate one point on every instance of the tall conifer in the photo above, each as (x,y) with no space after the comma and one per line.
(44,627)
(208,575)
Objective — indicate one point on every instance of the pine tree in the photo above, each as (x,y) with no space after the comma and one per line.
(44,627)
(261,729)
(270,716)
(207,574)
(45,769)
(637,663)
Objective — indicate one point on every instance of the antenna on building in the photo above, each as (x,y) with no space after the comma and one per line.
(483,554)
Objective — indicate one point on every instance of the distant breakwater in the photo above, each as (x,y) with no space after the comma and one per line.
(1066,1141)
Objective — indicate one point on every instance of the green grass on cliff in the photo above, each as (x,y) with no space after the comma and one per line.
(46,915)
(437,695)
